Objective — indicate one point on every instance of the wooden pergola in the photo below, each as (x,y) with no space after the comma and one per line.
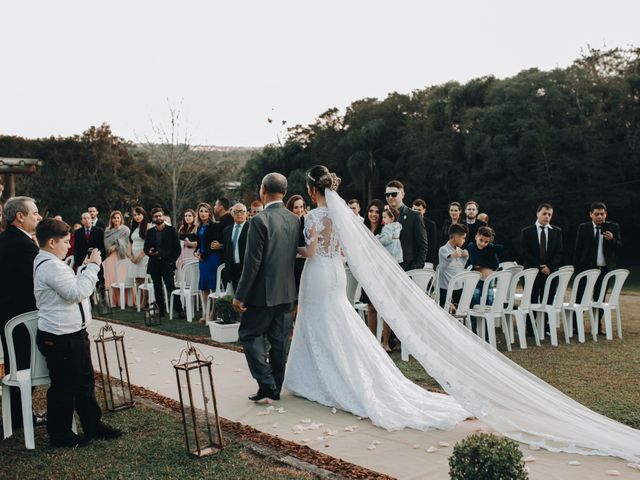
(10,167)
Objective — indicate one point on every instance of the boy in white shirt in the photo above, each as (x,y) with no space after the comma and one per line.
(64,311)
(452,261)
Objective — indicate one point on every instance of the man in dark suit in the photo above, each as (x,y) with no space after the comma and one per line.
(162,246)
(95,221)
(266,290)
(471,221)
(541,248)
(221,209)
(420,206)
(235,242)
(87,237)
(17,252)
(597,245)
(413,236)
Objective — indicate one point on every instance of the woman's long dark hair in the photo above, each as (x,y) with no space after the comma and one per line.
(293,199)
(144,224)
(185,228)
(374,203)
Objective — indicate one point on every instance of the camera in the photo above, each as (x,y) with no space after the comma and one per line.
(89,250)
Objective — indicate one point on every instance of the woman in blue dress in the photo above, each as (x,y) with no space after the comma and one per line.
(209,251)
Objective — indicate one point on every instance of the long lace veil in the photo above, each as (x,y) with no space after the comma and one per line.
(486,383)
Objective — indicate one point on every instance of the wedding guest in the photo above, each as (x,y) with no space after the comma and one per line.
(88,236)
(471,219)
(453,260)
(162,246)
(297,205)
(95,221)
(541,248)
(64,312)
(137,268)
(483,257)
(454,210)
(354,205)
(116,245)
(188,234)
(256,207)
(389,237)
(1,219)
(17,252)
(221,210)
(209,251)
(483,217)
(413,236)
(597,245)
(235,242)
(420,206)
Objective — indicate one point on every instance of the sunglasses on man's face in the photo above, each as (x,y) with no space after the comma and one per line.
(391,194)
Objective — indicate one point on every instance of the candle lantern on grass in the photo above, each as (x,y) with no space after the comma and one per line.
(112,359)
(104,305)
(152,315)
(198,405)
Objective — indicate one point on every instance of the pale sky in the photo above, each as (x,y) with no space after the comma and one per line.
(67,65)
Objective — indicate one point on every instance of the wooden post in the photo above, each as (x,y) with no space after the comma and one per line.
(12,185)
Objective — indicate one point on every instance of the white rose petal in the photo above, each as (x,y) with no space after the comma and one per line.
(376,442)
(270,408)
(237,370)
(319,438)
(305,440)
(371,447)
(281,410)
(305,420)
(613,473)
(574,463)
(634,465)
(297,429)
(444,444)
(530,459)
(432,449)
(333,410)
(350,429)
(275,425)
(534,447)
(416,446)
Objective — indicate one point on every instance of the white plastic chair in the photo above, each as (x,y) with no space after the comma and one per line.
(505,265)
(123,281)
(148,286)
(434,291)
(493,314)
(187,289)
(36,374)
(619,276)
(353,288)
(467,281)
(521,312)
(554,311)
(580,305)
(423,277)
(219,292)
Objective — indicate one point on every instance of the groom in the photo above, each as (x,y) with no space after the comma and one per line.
(266,290)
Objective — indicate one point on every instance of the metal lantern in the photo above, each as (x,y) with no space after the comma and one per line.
(152,315)
(198,402)
(114,370)
(104,305)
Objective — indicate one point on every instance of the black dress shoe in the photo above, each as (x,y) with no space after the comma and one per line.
(264,395)
(69,441)
(104,432)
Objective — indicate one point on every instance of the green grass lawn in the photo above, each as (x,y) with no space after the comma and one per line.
(177,326)
(152,448)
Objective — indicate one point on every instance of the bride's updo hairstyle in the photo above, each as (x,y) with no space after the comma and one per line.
(321,178)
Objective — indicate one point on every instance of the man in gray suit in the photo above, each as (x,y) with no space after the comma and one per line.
(266,290)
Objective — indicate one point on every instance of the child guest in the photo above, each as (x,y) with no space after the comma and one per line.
(390,235)
(452,261)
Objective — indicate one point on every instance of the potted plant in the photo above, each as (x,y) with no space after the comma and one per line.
(483,456)
(225,328)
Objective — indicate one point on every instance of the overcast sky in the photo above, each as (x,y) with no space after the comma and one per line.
(67,65)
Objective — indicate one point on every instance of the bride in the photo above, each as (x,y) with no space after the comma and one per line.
(334,360)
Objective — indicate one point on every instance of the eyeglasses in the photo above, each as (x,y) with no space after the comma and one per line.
(238,212)
(391,194)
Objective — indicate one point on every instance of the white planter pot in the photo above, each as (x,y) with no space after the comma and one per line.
(224,333)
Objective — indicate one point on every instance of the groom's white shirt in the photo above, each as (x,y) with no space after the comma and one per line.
(271,203)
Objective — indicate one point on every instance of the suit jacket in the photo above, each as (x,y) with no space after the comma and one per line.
(584,252)
(81,245)
(530,248)
(17,253)
(432,240)
(169,249)
(272,243)
(472,230)
(227,273)
(213,232)
(413,239)
(100,224)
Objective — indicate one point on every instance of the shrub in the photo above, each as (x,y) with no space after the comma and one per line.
(487,457)
(225,311)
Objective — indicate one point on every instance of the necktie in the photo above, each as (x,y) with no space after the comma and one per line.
(543,244)
(87,234)
(596,246)
(234,238)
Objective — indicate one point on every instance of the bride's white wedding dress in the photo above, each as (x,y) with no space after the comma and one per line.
(335,360)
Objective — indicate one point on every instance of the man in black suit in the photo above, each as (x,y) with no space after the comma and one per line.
(413,236)
(162,246)
(221,209)
(267,288)
(597,245)
(87,237)
(541,248)
(17,252)
(420,206)
(471,221)
(95,221)
(235,242)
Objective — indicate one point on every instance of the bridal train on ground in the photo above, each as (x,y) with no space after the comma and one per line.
(335,360)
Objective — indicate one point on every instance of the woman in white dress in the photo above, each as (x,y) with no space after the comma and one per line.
(336,362)
(334,359)
(138,264)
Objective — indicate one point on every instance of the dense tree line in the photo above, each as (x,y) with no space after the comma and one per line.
(567,136)
(99,167)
